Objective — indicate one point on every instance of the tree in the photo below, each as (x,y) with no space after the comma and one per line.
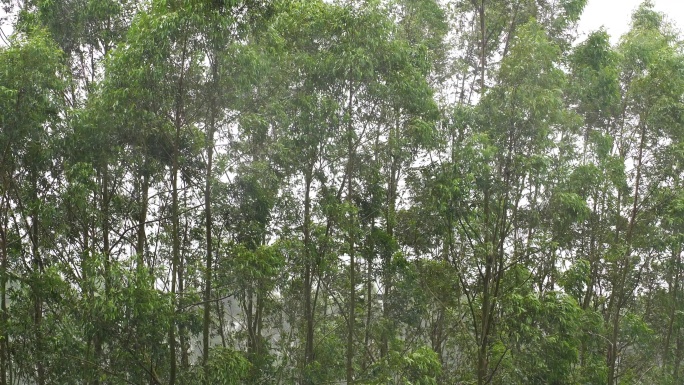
(30,88)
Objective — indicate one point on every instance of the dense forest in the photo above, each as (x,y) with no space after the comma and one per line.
(339,192)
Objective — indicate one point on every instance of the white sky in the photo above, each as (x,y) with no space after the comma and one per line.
(615,15)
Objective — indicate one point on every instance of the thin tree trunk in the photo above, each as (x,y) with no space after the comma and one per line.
(220,310)
(483,348)
(175,263)
(142,215)
(369,302)
(176,259)
(308,275)
(182,330)
(37,295)
(619,297)
(351,240)
(674,291)
(389,228)
(97,339)
(178,122)
(483,343)
(3,304)
(679,351)
(105,223)
(261,293)
(208,274)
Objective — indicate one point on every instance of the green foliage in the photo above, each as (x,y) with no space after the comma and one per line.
(29,98)
(418,367)
(226,367)
(395,192)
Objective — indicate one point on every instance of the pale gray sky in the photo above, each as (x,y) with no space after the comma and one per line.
(615,15)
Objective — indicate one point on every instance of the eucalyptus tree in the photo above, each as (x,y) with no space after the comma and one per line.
(525,109)
(157,74)
(84,215)
(400,132)
(357,90)
(85,31)
(595,88)
(30,114)
(629,134)
(482,33)
(486,194)
(208,58)
(307,139)
(238,93)
(669,268)
(389,115)
(650,59)
(91,211)
(252,268)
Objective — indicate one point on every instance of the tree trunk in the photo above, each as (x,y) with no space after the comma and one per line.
(674,302)
(183,337)
(4,351)
(351,241)
(142,214)
(208,273)
(390,216)
(618,298)
(37,295)
(175,263)
(308,276)
(483,343)
(104,208)
(679,351)
(369,299)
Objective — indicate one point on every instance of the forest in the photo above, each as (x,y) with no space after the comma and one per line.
(360,192)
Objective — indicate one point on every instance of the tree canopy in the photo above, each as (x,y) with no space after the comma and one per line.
(346,191)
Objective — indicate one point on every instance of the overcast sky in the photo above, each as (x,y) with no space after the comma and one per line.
(615,15)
